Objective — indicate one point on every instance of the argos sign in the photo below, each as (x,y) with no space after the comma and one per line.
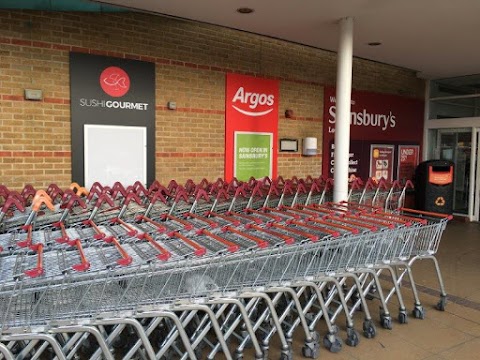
(251,105)
(254,102)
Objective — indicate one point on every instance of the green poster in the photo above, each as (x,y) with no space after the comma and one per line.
(253,155)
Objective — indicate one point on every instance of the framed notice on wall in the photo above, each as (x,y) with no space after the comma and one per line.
(253,155)
(381,161)
(408,158)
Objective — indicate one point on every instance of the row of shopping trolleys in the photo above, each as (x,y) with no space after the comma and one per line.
(182,285)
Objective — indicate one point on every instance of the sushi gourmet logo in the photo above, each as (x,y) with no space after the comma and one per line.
(252,103)
(114,81)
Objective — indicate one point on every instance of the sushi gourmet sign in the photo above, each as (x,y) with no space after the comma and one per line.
(374,119)
(251,127)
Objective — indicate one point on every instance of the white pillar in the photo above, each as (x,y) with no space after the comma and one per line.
(343,96)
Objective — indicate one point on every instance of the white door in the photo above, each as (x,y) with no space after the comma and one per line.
(115,153)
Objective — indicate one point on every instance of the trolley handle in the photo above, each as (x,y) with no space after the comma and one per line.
(39,194)
(118,188)
(199,250)
(74,200)
(311,237)
(409,185)
(102,199)
(309,179)
(370,185)
(84,264)
(172,185)
(27,192)
(396,185)
(201,193)
(231,247)
(41,200)
(353,230)
(301,189)
(28,241)
(383,184)
(314,188)
(287,188)
(154,186)
(315,228)
(140,189)
(329,184)
(82,191)
(132,196)
(240,192)
(181,195)
(158,196)
(252,211)
(257,190)
(273,189)
(97,187)
(126,259)
(204,183)
(164,253)
(53,191)
(351,222)
(280,180)
(187,226)
(286,239)
(160,228)
(130,230)
(427,213)
(38,270)
(222,193)
(12,201)
(260,242)
(267,181)
(4,191)
(74,186)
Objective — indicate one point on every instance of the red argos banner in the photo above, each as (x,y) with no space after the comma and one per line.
(251,127)
(375,119)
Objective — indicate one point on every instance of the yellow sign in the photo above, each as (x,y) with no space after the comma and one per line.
(440,201)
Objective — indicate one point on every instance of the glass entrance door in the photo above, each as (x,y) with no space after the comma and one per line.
(456,145)
(476,167)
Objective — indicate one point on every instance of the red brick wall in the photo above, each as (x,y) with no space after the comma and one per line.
(191,62)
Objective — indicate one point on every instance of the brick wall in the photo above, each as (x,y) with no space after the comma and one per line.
(191,62)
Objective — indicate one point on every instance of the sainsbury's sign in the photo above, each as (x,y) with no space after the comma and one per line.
(374,118)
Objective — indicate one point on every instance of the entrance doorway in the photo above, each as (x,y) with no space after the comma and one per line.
(460,145)
(456,146)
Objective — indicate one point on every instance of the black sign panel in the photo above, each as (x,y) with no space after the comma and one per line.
(110,91)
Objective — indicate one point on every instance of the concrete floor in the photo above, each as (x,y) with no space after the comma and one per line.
(452,334)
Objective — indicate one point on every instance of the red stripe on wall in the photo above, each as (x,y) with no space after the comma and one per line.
(192,110)
(158,60)
(189,155)
(24,154)
(297,155)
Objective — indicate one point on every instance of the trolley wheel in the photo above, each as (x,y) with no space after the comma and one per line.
(418,312)
(369,330)
(286,355)
(386,321)
(402,317)
(441,303)
(352,337)
(332,343)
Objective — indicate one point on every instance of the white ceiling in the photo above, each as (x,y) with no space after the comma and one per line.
(436,38)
